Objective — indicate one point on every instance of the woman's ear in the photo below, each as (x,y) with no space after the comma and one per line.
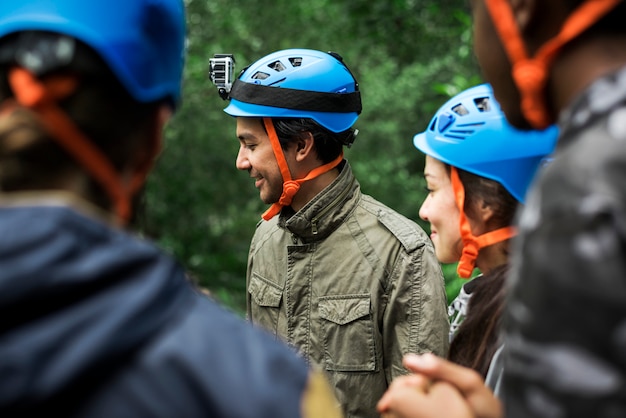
(485,212)
(481,215)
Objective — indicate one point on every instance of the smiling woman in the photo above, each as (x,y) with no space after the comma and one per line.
(477,170)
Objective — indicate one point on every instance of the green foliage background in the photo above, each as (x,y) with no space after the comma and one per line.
(409,56)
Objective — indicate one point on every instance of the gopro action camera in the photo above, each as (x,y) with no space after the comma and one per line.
(221,72)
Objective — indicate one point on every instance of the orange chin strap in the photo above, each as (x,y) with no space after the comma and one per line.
(472,244)
(41,97)
(531,74)
(290,187)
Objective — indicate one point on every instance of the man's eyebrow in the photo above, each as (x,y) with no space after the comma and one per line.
(245,135)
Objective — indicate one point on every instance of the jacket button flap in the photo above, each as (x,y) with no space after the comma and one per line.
(344,309)
(264,292)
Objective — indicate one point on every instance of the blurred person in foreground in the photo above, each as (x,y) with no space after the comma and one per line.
(95,321)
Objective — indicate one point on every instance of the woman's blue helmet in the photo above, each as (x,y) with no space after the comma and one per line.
(470,132)
(298,83)
(129,35)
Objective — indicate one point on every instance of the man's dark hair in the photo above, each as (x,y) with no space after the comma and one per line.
(327,143)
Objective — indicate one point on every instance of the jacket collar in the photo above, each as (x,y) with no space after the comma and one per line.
(326,211)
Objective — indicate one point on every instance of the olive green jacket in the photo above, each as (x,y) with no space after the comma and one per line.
(353,286)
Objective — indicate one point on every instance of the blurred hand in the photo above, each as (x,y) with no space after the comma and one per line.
(462,387)
(416,396)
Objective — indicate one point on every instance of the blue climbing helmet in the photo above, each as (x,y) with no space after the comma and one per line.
(470,132)
(129,35)
(298,83)
(142,43)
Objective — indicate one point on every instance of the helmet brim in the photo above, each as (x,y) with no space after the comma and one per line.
(332,121)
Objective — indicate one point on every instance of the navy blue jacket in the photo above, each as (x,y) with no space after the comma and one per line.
(95,322)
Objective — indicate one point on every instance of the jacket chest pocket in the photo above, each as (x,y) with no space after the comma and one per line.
(265,297)
(348,333)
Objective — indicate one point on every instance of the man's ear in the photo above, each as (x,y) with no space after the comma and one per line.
(305,146)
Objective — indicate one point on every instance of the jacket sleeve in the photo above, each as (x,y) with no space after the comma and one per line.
(416,318)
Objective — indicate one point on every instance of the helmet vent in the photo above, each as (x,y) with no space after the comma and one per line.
(259,75)
(445,120)
(296,61)
(460,110)
(277,66)
(454,134)
(463,130)
(482,103)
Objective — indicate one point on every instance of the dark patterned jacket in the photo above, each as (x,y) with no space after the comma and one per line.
(566,320)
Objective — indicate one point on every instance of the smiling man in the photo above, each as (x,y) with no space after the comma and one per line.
(349,282)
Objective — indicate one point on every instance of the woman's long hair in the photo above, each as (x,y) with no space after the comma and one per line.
(478,337)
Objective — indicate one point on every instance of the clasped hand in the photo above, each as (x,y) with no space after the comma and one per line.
(438,388)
